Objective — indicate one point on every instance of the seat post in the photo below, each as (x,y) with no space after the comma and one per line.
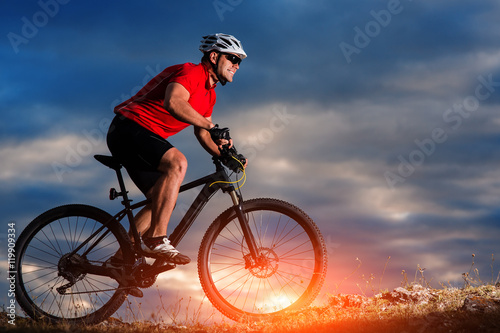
(126,202)
(123,190)
(114,164)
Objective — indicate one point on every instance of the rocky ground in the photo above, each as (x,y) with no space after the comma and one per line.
(403,310)
(431,310)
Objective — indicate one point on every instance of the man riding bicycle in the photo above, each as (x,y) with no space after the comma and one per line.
(181,95)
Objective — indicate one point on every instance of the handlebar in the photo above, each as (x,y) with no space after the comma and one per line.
(231,159)
(228,156)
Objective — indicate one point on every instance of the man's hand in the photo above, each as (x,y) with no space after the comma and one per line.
(221,136)
(231,159)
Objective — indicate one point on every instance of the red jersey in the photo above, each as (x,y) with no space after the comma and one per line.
(146,107)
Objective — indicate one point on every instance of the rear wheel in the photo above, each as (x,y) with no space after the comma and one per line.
(50,285)
(287,274)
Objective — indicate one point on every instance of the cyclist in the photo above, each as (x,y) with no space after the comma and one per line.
(179,96)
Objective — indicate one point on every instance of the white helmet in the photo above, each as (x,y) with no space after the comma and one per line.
(222,43)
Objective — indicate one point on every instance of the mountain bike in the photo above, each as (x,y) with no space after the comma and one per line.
(258,258)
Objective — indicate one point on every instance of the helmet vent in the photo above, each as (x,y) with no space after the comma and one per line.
(222,43)
(228,42)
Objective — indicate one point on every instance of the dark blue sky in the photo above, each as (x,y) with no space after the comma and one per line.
(380,119)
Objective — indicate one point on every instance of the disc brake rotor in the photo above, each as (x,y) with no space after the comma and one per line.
(266,265)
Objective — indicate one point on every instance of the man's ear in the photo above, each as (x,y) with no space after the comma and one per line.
(213,57)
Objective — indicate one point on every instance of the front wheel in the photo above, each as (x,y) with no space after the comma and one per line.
(287,274)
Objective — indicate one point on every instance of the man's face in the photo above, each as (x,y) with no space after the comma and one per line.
(228,65)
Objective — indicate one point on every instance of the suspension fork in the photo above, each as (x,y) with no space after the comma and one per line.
(244,223)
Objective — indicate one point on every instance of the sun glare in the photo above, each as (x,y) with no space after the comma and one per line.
(276,303)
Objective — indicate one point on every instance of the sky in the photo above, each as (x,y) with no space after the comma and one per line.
(378,118)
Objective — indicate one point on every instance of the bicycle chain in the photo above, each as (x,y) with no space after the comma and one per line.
(99,290)
(95,291)
(135,269)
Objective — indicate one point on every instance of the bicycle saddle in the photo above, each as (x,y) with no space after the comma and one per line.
(109,161)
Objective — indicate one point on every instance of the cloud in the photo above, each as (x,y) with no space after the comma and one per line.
(47,160)
(320,132)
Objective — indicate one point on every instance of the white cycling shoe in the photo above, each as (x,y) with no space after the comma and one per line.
(160,246)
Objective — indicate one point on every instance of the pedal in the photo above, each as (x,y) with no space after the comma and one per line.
(160,262)
(181,260)
(136,292)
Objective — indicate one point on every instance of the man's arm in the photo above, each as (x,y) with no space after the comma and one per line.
(176,102)
(206,141)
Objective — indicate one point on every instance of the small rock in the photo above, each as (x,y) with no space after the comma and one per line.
(416,293)
(481,304)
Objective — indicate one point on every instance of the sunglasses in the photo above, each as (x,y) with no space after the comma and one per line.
(235,60)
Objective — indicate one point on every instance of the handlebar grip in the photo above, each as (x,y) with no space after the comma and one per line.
(231,159)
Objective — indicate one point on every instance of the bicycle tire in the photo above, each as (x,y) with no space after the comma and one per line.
(289,280)
(40,248)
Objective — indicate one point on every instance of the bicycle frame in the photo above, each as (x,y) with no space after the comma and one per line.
(212,183)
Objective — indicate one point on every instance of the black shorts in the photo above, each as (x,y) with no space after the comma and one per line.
(138,150)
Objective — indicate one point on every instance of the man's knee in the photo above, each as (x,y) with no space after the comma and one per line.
(180,164)
(174,161)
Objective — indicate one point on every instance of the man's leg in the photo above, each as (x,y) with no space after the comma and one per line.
(164,193)
(143,222)
(152,220)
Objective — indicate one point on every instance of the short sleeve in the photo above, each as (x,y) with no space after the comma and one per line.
(189,77)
